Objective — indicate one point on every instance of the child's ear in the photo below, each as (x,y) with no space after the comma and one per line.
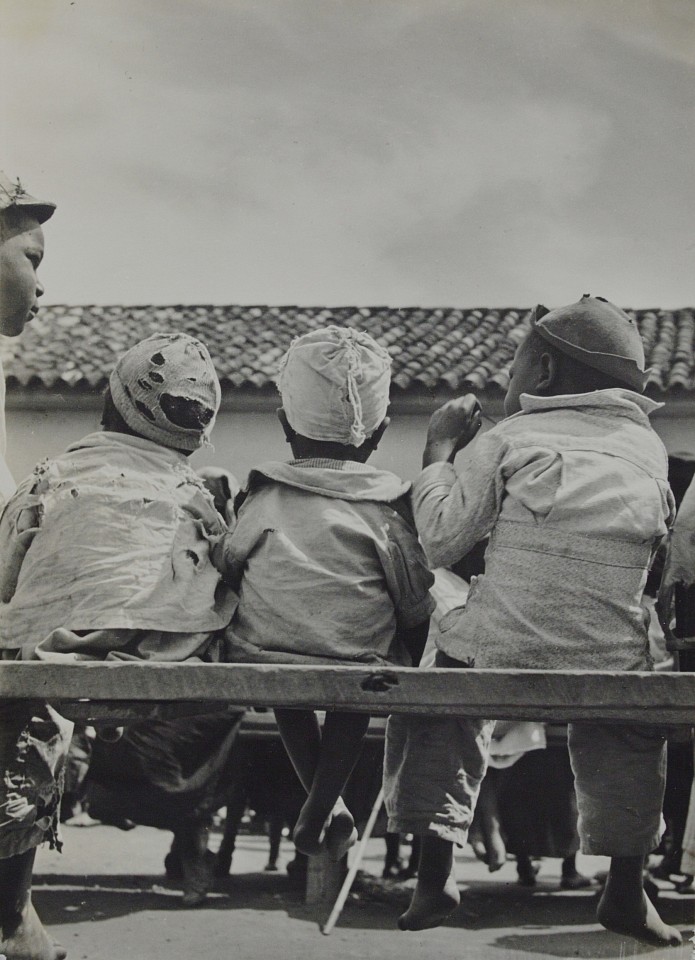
(287,429)
(375,438)
(549,371)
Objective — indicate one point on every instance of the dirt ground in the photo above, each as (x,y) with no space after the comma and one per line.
(105,898)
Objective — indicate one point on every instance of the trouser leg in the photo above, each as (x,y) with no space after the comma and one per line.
(433,767)
(620,775)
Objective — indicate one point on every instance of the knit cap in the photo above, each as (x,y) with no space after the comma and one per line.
(166,390)
(14,195)
(334,384)
(598,334)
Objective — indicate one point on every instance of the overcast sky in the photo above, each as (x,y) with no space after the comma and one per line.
(368,152)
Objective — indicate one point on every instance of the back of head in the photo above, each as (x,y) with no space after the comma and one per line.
(16,204)
(334,384)
(598,335)
(165,388)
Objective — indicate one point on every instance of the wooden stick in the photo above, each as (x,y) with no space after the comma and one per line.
(352,872)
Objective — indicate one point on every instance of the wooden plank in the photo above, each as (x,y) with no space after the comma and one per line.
(324,878)
(124,711)
(518,694)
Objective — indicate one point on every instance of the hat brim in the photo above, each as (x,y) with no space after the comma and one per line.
(42,209)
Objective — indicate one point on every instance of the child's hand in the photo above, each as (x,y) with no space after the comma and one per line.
(222,559)
(218,554)
(451,428)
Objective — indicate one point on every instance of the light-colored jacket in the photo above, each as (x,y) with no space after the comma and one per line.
(680,565)
(574,492)
(330,566)
(114,533)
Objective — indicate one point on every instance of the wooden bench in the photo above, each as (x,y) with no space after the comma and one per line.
(117,693)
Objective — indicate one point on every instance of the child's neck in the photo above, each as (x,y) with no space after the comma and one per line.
(303,448)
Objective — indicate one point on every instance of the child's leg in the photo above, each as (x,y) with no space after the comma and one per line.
(276,822)
(392,860)
(487,811)
(323,761)
(620,776)
(301,734)
(34,744)
(571,878)
(436,892)
(414,858)
(22,935)
(624,907)
(433,767)
(526,870)
(236,805)
(191,840)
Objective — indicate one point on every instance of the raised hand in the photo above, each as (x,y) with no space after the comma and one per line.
(451,428)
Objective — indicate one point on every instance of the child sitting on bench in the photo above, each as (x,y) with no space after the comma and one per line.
(329,566)
(106,548)
(573,486)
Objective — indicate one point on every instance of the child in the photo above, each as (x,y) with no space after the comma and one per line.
(573,487)
(107,547)
(330,567)
(106,555)
(21,251)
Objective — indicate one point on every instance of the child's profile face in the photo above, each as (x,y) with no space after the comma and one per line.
(21,252)
(524,374)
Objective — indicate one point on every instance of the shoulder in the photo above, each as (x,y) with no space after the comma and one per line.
(402,507)
(256,483)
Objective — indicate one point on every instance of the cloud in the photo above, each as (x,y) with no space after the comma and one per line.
(326,152)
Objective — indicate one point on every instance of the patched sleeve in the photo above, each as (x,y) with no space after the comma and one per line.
(408,576)
(456,506)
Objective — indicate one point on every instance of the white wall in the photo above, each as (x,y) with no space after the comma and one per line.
(241,440)
(244,439)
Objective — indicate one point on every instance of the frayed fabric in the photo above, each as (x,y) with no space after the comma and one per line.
(34,746)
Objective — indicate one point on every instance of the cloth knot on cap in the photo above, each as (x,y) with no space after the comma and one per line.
(14,196)
(598,334)
(334,383)
(166,389)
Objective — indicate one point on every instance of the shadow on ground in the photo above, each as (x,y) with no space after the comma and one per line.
(532,916)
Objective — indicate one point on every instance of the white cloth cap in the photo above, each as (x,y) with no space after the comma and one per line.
(334,384)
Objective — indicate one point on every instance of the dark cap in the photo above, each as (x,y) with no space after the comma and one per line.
(14,195)
(598,334)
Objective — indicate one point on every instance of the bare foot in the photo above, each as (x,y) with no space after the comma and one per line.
(309,834)
(430,906)
(340,832)
(526,871)
(496,851)
(198,877)
(574,880)
(30,941)
(478,846)
(490,850)
(640,921)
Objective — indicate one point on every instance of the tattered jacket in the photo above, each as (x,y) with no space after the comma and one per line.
(114,533)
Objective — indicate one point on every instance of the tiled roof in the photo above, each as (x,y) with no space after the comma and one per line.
(68,348)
